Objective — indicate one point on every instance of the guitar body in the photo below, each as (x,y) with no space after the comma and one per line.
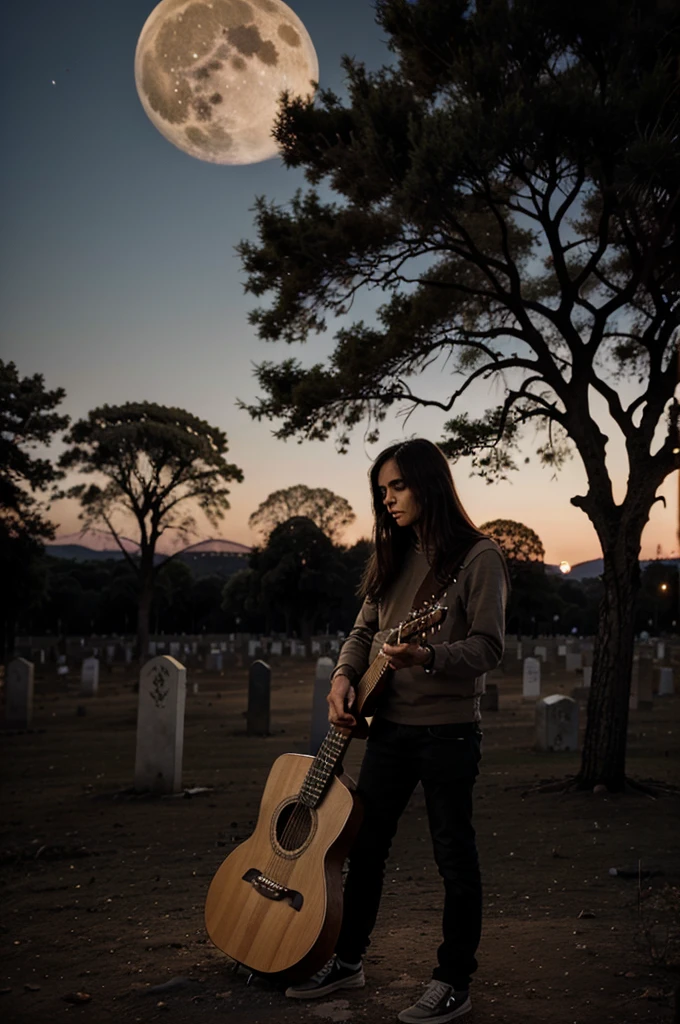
(275,904)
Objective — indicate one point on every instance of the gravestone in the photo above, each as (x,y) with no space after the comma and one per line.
(110,652)
(253,648)
(152,648)
(160,726)
(641,683)
(62,667)
(316,647)
(519,651)
(174,648)
(277,647)
(531,679)
(19,694)
(259,692)
(587,674)
(562,651)
(213,661)
(573,661)
(128,655)
(489,701)
(89,677)
(542,653)
(666,687)
(556,723)
(322,684)
(660,650)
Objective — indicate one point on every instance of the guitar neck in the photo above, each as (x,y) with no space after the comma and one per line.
(332,750)
(324,766)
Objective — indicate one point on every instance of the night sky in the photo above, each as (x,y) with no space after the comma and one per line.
(119,279)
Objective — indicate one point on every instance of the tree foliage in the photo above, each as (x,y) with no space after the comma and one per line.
(28,421)
(297,577)
(511,187)
(158,464)
(329,511)
(518,542)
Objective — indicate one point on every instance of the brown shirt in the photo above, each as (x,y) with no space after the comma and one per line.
(469,645)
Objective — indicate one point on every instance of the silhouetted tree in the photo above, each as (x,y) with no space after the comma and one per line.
(298,576)
(27,420)
(511,184)
(329,511)
(159,464)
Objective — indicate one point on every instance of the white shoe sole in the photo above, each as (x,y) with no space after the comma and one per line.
(407,1017)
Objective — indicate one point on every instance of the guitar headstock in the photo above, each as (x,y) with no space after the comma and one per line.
(418,625)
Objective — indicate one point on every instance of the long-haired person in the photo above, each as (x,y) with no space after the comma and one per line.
(426,728)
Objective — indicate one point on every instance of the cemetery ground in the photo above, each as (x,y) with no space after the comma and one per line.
(103,890)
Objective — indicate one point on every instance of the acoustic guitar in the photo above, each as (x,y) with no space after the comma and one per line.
(275,904)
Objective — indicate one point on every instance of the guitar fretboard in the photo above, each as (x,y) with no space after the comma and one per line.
(324,766)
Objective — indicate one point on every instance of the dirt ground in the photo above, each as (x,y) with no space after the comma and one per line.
(103,892)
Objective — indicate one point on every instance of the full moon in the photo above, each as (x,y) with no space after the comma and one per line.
(210,74)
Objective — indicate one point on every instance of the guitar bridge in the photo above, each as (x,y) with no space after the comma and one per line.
(272,890)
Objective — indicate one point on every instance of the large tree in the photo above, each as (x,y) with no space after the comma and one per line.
(297,578)
(511,185)
(531,604)
(157,465)
(28,421)
(329,511)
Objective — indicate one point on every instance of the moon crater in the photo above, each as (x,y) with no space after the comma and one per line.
(210,74)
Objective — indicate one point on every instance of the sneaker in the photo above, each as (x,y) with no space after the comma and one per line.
(438,1004)
(330,978)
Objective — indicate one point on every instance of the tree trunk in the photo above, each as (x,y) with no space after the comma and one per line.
(604,749)
(143,613)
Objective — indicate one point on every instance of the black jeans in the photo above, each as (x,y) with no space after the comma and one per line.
(445,759)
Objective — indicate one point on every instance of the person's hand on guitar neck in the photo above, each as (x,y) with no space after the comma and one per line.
(340,699)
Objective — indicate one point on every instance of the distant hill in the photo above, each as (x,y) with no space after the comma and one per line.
(214,557)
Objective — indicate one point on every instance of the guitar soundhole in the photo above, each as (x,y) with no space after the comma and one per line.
(294,826)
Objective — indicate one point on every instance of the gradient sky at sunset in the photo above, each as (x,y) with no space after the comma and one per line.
(119,279)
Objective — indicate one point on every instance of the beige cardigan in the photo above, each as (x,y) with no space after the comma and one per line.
(469,645)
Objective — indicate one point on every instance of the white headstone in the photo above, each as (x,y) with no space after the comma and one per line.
(542,653)
(160,726)
(277,647)
(152,648)
(110,652)
(587,674)
(666,687)
(561,650)
(322,676)
(253,648)
(660,650)
(19,693)
(531,678)
(174,647)
(89,677)
(316,647)
(557,723)
(519,651)
(573,661)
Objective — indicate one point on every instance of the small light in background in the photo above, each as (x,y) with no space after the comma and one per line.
(565,567)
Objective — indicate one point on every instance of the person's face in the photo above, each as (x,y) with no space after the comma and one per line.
(398,499)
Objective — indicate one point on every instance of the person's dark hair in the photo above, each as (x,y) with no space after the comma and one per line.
(446,529)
